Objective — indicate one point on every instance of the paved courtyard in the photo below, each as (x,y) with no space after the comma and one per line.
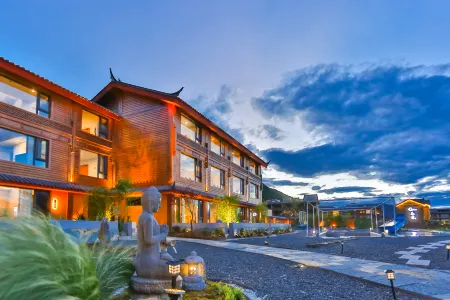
(427,252)
(274,278)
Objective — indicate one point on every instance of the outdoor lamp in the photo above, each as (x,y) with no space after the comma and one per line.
(342,247)
(448,251)
(174,270)
(390,276)
(193,272)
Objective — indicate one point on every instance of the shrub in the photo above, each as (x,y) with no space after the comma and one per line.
(80,217)
(186,229)
(362,223)
(176,229)
(44,263)
(218,232)
(228,292)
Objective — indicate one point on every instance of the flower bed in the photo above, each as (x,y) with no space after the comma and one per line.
(260,232)
(205,233)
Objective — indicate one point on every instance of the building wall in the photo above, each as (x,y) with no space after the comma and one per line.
(62,204)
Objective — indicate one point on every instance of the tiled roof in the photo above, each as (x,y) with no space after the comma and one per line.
(419,200)
(80,99)
(175,99)
(43,183)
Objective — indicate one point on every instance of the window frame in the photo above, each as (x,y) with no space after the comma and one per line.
(221,179)
(221,145)
(197,131)
(256,191)
(100,131)
(102,160)
(36,148)
(37,96)
(198,170)
(241,186)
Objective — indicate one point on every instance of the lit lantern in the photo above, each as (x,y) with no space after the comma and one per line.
(174,270)
(54,203)
(193,272)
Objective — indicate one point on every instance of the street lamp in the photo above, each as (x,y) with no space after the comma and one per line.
(342,247)
(390,275)
(448,251)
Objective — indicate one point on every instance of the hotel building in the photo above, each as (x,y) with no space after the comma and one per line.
(55,146)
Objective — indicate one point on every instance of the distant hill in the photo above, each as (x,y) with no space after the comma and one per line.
(271,193)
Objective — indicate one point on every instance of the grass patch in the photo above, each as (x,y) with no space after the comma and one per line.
(216,290)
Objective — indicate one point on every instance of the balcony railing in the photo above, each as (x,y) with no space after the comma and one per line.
(181,138)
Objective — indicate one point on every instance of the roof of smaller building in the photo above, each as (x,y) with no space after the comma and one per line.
(355,203)
(34,182)
(418,200)
(311,198)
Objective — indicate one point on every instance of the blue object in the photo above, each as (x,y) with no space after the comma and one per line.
(392,226)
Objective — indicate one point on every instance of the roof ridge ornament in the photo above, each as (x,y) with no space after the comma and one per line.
(177,93)
(111,75)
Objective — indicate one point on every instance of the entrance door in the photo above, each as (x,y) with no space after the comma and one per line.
(42,201)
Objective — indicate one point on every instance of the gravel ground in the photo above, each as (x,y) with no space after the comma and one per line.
(275,279)
(379,249)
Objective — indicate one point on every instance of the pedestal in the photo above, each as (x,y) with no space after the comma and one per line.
(152,289)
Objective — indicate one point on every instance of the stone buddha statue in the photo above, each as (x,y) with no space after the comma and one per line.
(150,263)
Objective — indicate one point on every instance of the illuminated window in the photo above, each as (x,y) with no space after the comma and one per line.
(190,130)
(217,146)
(252,167)
(253,191)
(218,178)
(190,168)
(24,149)
(93,164)
(238,185)
(24,97)
(237,158)
(94,124)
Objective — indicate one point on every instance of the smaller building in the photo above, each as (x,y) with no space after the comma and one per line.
(416,211)
(441,214)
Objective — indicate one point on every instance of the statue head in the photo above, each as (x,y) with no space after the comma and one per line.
(151,200)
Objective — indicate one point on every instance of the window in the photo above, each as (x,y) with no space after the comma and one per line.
(190,130)
(217,146)
(24,97)
(238,185)
(16,202)
(186,209)
(190,168)
(24,149)
(218,178)
(93,164)
(252,167)
(211,212)
(94,124)
(237,158)
(254,191)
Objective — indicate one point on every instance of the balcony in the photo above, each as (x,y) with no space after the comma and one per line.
(93,138)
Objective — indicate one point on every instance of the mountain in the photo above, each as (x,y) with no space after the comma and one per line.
(271,194)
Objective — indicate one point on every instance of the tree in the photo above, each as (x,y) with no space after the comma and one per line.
(191,205)
(120,192)
(291,208)
(227,211)
(262,210)
(100,204)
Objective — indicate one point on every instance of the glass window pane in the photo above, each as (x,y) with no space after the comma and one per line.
(88,163)
(15,202)
(89,123)
(188,128)
(253,191)
(215,145)
(187,167)
(215,177)
(43,103)
(252,167)
(103,128)
(236,157)
(18,95)
(237,185)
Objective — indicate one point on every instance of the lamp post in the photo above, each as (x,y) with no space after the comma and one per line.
(342,247)
(390,276)
(448,251)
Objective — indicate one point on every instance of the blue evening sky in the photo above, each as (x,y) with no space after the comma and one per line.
(323,89)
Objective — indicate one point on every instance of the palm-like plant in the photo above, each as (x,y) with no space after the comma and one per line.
(40,261)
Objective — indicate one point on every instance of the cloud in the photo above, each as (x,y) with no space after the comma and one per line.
(316,188)
(268,131)
(348,189)
(388,122)
(274,182)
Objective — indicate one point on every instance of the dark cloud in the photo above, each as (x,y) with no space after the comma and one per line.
(268,131)
(348,189)
(274,182)
(388,122)
(316,188)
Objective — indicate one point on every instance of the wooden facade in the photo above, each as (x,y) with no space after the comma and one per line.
(144,144)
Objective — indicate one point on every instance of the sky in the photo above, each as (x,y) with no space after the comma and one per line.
(344,98)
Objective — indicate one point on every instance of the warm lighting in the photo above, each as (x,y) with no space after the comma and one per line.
(174,270)
(33,91)
(447,246)
(390,274)
(192,270)
(54,203)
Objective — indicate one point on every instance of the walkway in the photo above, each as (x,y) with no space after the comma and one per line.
(433,283)
(414,259)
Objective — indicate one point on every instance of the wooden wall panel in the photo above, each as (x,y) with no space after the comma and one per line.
(142,142)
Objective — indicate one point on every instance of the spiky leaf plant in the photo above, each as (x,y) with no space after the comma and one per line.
(39,261)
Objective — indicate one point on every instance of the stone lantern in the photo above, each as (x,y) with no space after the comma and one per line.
(193,272)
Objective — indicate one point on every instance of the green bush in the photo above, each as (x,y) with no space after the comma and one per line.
(176,229)
(44,263)
(218,233)
(228,292)
(362,223)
